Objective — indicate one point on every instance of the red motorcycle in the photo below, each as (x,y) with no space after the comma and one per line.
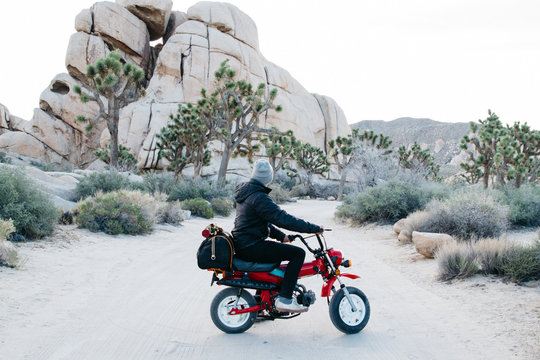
(235,309)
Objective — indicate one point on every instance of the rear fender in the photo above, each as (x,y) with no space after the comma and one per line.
(327,287)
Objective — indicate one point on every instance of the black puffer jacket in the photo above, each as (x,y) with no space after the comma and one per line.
(255,214)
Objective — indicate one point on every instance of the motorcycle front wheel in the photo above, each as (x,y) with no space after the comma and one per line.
(342,315)
(224,302)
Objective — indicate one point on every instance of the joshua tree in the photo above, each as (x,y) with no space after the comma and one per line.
(419,160)
(345,151)
(232,113)
(279,147)
(484,141)
(370,139)
(119,82)
(185,140)
(525,151)
(312,159)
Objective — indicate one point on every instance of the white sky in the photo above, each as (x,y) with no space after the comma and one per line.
(379,59)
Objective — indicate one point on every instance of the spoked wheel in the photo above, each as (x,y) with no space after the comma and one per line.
(342,315)
(224,302)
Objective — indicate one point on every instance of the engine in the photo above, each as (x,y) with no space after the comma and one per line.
(307,298)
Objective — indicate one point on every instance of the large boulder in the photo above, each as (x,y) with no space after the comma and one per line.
(84,49)
(227,19)
(127,32)
(195,44)
(4,119)
(84,22)
(428,243)
(176,19)
(154,13)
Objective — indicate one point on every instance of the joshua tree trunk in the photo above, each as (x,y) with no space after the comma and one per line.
(222,174)
(342,184)
(113,131)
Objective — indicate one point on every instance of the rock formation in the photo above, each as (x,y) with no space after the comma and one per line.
(443,139)
(194,44)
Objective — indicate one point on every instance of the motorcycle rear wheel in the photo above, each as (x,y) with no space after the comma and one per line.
(341,314)
(224,302)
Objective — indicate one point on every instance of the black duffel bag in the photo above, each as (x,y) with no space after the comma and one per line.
(217,249)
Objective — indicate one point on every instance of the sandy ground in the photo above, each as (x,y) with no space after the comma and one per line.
(82,295)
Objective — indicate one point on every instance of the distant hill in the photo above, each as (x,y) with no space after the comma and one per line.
(441,138)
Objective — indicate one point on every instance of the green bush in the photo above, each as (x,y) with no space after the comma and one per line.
(456,261)
(126,160)
(523,204)
(154,182)
(104,181)
(222,206)
(390,201)
(467,216)
(198,207)
(299,190)
(4,158)
(189,189)
(522,263)
(278,194)
(113,213)
(33,213)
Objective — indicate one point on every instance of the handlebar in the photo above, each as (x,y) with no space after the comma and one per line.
(303,239)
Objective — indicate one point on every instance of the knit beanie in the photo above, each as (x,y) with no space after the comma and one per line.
(262,171)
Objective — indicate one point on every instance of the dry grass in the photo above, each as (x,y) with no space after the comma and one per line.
(491,254)
(456,260)
(170,213)
(8,253)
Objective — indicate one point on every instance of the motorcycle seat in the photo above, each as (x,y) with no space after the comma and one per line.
(248,266)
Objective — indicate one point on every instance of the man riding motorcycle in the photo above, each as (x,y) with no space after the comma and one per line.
(257,218)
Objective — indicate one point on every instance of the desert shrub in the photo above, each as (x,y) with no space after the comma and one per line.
(33,213)
(126,160)
(4,159)
(467,216)
(286,182)
(6,228)
(417,220)
(299,190)
(523,204)
(522,263)
(8,254)
(103,181)
(170,213)
(456,260)
(113,213)
(199,207)
(189,189)
(278,194)
(389,201)
(222,206)
(67,218)
(324,189)
(154,182)
(491,255)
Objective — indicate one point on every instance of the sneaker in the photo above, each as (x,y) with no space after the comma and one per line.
(292,307)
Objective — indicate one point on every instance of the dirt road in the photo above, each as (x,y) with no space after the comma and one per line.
(101,297)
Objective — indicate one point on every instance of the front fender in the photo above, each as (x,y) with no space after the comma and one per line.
(327,287)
